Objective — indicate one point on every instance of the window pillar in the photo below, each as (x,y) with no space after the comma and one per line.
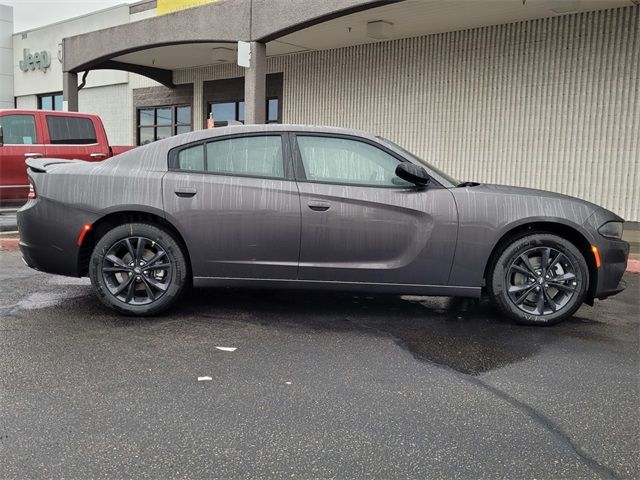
(70,91)
(255,85)
(199,105)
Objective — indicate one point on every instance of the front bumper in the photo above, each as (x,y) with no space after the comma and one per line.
(614,255)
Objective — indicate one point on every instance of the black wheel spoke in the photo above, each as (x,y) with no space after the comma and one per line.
(562,286)
(156,257)
(131,290)
(526,293)
(540,304)
(525,259)
(139,249)
(521,270)
(116,269)
(123,285)
(554,261)
(549,301)
(160,266)
(544,263)
(563,278)
(127,243)
(156,284)
(116,261)
(148,288)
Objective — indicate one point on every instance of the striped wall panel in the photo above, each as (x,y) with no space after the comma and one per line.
(550,103)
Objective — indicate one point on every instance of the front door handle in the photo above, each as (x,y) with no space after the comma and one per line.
(319,206)
(98,155)
(33,155)
(185,192)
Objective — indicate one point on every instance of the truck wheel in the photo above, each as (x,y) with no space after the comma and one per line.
(540,279)
(138,269)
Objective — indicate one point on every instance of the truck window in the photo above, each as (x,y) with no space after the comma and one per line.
(71,130)
(18,129)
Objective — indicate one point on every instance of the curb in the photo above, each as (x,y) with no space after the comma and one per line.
(11,245)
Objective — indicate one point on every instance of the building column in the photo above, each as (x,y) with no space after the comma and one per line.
(198,107)
(70,91)
(255,85)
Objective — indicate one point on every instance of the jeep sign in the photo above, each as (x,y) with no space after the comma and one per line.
(36,60)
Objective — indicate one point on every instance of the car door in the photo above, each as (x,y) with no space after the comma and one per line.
(71,137)
(22,140)
(361,223)
(236,203)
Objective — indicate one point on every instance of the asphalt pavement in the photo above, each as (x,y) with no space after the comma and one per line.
(320,385)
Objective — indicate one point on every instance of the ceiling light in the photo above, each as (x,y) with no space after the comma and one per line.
(380,30)
(223,54)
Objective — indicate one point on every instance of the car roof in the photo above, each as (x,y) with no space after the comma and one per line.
(271,127)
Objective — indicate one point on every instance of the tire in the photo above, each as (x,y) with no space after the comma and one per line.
(133,289)
(523,291)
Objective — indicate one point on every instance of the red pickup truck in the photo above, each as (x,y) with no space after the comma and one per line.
(42,133)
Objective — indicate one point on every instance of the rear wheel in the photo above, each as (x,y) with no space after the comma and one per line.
(540,279)
(138,269)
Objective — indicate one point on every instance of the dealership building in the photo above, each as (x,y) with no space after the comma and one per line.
(536,93)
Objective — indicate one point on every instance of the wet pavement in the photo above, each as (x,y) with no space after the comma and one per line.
(321,385)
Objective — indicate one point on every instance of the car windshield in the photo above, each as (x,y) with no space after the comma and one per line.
(449,178)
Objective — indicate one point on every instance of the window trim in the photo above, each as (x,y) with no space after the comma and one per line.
(174,118)
(288,175)
(301,176)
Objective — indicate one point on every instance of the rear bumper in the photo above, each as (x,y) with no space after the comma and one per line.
(48,233)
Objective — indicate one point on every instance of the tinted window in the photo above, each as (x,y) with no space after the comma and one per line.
(339,160)
(18,129)
(191,158)
(255,156)
(71,130)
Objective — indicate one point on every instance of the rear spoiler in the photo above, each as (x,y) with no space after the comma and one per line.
(40,165)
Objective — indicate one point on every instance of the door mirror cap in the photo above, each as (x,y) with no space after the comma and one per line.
(1,137)
(413,174)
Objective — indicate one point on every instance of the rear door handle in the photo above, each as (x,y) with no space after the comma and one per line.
(319,206)
(33,155)
(185,192)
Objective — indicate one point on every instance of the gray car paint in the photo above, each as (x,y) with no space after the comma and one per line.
(432,241)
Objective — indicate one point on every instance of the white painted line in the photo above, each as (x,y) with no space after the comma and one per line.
(200,379)
(227,349)
(288,383)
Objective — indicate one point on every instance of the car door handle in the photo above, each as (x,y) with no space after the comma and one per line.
(98,155)
(185,192)
(33,155)
(318,206)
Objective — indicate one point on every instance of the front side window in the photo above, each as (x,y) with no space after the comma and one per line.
(259,156)
(71,130)
(18,129)
(341,160)
(157,123)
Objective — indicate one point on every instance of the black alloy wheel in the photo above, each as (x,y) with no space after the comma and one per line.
(539,279)
(138,269)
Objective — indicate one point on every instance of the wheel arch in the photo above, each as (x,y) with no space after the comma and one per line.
(568,232)
(112,219)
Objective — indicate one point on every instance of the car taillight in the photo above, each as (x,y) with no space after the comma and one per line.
(32,190)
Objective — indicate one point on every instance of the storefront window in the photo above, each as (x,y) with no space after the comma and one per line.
(157,123)
(52,101)
(234,111)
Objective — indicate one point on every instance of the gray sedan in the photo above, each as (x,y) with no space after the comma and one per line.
(286,206)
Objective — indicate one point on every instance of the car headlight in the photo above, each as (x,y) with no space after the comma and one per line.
(612,230)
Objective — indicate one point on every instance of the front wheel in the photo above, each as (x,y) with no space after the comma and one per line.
(138,269)
(540,279)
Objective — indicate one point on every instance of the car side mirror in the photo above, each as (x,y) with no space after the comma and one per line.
(413,174)
(1,137)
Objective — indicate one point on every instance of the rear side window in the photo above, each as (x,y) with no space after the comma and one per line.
(71,130)
(18,129)
(259,156)
(191,158)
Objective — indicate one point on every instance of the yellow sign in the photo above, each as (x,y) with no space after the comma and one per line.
(168,6)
